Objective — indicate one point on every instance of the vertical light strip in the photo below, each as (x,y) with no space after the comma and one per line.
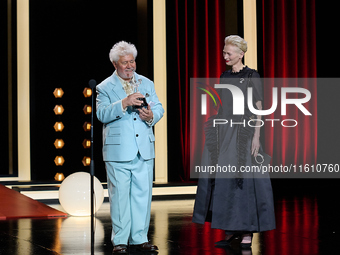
(250,32)
(24,155)
(10,86)
(160,76)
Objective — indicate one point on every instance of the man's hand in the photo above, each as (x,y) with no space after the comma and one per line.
(145,113)
(132,100)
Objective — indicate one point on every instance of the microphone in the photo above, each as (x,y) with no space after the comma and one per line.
(92,83)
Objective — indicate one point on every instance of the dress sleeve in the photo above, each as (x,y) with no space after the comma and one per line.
(257,87)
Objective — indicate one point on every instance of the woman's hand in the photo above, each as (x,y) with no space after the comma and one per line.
(255,145)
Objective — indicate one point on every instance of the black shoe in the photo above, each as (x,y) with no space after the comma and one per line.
(120,249)
(245,246)
(147,247)
(227,242)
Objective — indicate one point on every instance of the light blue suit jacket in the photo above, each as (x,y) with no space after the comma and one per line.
(124,133)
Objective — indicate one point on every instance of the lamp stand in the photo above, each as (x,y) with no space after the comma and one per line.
(92,84)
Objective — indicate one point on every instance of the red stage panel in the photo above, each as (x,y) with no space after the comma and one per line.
(15,205)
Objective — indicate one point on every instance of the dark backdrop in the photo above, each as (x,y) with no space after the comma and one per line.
(327,58)
(8,95)
(69,44)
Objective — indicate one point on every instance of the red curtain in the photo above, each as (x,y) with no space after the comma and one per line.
(200,27)
(289,50)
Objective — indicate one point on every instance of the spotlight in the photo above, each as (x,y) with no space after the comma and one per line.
(59,143)
(58,126)
(58,110)
(87,126)
(59,160)
(87,143)
(86,161)
(87,92)
(87,109)
(58,93)
(59,177)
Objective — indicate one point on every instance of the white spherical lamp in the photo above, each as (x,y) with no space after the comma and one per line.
(75,194)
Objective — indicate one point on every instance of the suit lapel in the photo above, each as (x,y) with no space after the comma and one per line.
(117,87)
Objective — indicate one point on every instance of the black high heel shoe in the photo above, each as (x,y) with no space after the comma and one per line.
(227,242)
(247,246)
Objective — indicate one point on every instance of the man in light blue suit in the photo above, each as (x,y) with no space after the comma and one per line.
(128,147)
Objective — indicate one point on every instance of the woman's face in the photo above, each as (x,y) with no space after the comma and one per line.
(232,55)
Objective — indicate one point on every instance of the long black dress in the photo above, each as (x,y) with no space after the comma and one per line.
(239,202)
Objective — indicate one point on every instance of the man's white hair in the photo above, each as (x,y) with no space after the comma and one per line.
(120,49)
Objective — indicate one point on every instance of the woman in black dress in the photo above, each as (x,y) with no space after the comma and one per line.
(235,202)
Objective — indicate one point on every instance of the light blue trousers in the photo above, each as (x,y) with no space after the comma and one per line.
(130,191)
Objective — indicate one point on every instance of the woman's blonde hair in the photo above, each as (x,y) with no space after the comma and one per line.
(237,41)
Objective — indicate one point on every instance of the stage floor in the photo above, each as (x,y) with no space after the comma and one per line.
(307,223)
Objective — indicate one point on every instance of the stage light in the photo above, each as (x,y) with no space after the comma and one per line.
(59,160)
(58,93)
(87,143)
(86,161)
(59,143)
(87,126)
(87,109)
(87,92)
(59,177)
(58,126)
(58,110)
